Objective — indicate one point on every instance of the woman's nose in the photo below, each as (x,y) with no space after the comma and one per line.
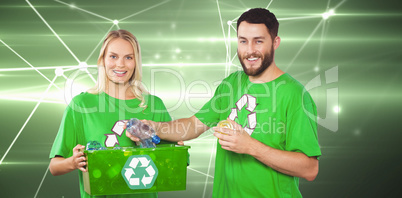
(120,62)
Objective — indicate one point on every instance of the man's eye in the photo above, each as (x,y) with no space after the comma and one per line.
(259,41)
(242,41)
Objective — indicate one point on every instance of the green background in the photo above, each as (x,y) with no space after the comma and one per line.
(184,56)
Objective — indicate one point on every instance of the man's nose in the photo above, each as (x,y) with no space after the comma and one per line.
(250,48)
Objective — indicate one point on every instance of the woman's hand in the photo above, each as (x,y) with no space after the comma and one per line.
(78,158)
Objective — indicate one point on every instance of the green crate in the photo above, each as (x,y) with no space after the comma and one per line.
(104,176)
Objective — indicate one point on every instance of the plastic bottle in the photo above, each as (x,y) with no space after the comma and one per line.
(225,124)
(147,135)
(94,145)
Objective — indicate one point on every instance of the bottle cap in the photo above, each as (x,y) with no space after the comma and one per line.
(156,139)
(129,123)
(225,124)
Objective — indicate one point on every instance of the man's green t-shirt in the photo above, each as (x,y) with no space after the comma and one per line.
(90,117)
(280,114)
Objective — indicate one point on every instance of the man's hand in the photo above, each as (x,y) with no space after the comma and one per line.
(150,123)
(78,159)
(236,140)
(132,137)
(288,162)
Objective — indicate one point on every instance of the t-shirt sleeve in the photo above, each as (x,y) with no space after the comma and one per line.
(161,114)
(301,127)
(66,138)
(209,114)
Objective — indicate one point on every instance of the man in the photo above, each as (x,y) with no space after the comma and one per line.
(275,137)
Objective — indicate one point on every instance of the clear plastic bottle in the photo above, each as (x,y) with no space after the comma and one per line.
(147,135)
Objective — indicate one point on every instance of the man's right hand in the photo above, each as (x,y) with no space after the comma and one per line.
(151,124)
(135,138)
(132,137)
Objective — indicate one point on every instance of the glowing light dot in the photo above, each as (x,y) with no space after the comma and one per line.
(357,132)
(229,22)
(157,56)
(337,109)
(116,22)
(72,6)
(59,72)
(316,69)
(326,15)
(178,50)
(83,66)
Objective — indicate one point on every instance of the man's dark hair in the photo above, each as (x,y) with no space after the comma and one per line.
(261,15)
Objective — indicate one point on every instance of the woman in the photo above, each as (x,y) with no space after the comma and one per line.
(117,95)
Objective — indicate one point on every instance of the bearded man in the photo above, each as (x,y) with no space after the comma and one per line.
(274,139)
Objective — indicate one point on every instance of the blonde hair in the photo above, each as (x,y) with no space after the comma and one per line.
(135,81)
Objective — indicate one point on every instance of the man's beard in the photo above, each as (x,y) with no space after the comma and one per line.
(267,60)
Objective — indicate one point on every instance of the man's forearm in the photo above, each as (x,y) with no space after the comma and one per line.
(287,162)
(180,130)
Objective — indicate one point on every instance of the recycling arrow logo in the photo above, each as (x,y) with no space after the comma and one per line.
(251,103)
(139,172)
(117,129)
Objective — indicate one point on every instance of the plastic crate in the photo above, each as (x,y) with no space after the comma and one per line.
(104,176)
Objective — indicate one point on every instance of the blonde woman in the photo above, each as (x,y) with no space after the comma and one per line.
(117,95)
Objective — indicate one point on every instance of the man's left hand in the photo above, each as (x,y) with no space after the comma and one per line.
(236,140)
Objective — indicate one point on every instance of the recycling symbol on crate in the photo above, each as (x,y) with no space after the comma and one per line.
(139,172)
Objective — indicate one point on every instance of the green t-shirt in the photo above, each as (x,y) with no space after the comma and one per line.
(89,117)
(280,114)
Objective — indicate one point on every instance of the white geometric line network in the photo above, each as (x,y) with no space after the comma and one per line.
(41,182)
(86,11)
(32,67)
(51,82)
(197,171)
(304,44)
(99,43)
(66,68)
(144,10)
(51,29)
(29,117)
(213,152)
(324,16)
(228,63)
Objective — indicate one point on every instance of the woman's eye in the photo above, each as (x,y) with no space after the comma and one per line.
(113,56)
(129,57)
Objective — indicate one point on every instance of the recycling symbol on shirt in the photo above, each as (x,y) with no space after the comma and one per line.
(139,172)
(251,102)
(117,129)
